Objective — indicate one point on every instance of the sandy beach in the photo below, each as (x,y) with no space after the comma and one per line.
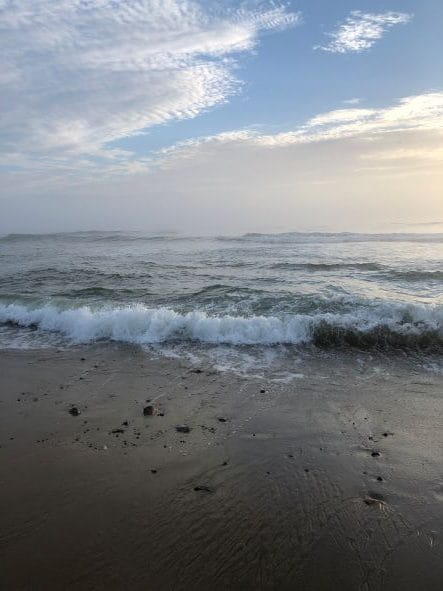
(124,472)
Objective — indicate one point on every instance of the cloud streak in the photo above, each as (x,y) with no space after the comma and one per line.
(361,30)
(418,113)
(80,74)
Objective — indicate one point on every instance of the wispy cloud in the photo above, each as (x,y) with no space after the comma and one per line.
(352,101)
(361,30)
(419,113)
(80,74)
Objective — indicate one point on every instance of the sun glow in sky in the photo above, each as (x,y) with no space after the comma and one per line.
(204,116)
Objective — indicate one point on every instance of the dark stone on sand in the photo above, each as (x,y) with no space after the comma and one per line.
(225,464)
(262,391)
(306,469)
(379,478)
(197,370)
(222,420)
(153,471)
(82,359)
(73,411)
(375,454)
(115,431)
(161,414)
(148,411)
(203,488)
(125,423)
(183,429)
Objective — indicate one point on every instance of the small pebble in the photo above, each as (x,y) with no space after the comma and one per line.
(203,488)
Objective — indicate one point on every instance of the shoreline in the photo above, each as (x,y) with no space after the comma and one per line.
(332,481)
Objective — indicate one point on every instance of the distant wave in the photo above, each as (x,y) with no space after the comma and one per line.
(284,237)
(326,266)
(405,275)
(382,325)
(333,237)
(416,275)
(93,236)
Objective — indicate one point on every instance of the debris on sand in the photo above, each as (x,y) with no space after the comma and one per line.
(203,488)
(374,500)
(183,429)
(148,411)
(73,411)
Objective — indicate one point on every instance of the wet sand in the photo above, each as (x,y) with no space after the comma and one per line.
(332,481)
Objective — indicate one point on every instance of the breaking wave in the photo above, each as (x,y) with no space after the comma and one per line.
(381,325)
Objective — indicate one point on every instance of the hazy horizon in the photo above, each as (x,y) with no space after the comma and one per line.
(426,229)
(221,118)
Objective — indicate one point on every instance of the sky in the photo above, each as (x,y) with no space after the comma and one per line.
(221,117)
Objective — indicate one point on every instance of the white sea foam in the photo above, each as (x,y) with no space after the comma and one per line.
(382,323)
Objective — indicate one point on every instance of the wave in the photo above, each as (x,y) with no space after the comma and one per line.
(412,275)
(93,236)
(326,266)
(381,325)
(284,237)
(333,237)
(417,275)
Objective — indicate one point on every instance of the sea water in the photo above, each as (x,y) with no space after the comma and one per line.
(257,296)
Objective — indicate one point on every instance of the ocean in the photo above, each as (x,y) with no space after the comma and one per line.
(241,302)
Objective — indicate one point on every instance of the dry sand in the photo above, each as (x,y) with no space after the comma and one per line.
(333,481)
